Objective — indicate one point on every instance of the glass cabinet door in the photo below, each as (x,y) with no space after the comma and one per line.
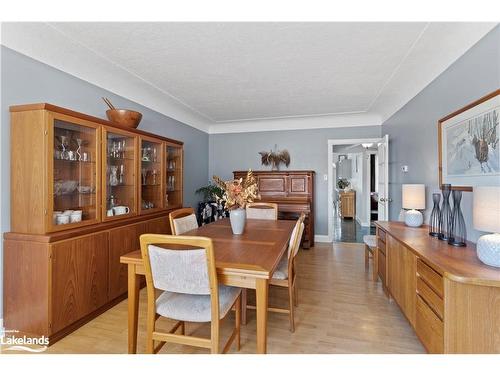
(120,183)
(173,167)
(75,166)
(151,175)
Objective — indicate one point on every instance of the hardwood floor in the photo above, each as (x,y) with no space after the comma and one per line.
(340,311)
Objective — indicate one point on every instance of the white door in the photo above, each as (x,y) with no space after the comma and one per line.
(383,179)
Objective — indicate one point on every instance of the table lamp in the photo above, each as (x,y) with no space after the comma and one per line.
(486,218)
(413,200)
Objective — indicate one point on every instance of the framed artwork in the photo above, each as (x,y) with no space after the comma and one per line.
(468,142)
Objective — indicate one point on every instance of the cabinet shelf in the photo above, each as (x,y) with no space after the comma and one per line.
(90,162)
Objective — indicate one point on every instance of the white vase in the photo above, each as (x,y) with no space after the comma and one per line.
(238,217)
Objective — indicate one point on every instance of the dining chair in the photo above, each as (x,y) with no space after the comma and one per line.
(183,268)
(285,275)
(370,242)
(182,220)
(262,210)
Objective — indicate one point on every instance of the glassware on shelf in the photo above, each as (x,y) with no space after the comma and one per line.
(154,174)
(445,215)
(64,146)
(113,176)
(144,175)
(79,142)
(434,220)
(121,174)
(458,231)
(146,154)
(74,182)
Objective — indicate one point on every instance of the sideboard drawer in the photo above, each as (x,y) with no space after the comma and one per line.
(381,234)
(429,328)
(382,267)
(431,277)
(428,295)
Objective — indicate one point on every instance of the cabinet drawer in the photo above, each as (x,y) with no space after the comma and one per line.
(381,234)
(382,267)
(431,277)
(429,327)
(429,296)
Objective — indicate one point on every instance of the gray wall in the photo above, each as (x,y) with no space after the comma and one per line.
(308,150)
(24,80)
(413,129)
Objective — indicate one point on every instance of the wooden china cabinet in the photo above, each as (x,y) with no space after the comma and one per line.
(82,192)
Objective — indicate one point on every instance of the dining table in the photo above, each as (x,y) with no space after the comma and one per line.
(247,261)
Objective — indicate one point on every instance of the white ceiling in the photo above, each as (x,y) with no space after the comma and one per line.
(233,77)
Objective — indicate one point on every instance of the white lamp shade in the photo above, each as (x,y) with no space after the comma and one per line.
(486,208)
(414,196)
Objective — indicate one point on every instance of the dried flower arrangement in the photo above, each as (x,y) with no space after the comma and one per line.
(237,193)
(275,158)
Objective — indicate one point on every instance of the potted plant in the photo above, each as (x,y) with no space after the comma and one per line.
(237,194)
(343,183)
(211,193)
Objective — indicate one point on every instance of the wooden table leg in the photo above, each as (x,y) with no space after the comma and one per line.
(133,308)
(244,306)
(262,287)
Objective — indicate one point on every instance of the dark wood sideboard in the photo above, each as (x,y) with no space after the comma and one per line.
(293,191)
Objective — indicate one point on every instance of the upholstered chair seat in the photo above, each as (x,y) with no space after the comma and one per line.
(370,240)
(371,252)
(195,308)
(281,272)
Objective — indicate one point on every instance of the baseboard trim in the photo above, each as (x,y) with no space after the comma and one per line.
(321,238)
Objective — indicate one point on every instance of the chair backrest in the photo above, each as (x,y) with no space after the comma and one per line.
(262,210)
(182,220)
(174,267)
(296,237)
(180,264)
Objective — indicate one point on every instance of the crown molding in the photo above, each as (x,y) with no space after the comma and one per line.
(297,123)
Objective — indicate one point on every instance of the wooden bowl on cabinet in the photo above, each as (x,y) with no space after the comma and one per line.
(124,117)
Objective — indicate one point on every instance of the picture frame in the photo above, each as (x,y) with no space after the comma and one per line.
(468,145)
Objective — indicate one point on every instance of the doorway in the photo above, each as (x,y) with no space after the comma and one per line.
(357,186)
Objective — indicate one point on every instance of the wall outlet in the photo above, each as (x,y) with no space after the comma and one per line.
(404,169)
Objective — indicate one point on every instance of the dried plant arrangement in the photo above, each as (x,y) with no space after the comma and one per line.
(275,158)
(238,193)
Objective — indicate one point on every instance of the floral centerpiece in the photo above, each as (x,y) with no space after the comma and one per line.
(237,194)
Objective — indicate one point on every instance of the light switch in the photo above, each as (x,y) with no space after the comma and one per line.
(325,177)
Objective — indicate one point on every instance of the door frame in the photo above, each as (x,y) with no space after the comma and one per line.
(338,142)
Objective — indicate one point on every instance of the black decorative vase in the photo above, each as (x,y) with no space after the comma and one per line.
(458,231)
(445,215)
(434,221)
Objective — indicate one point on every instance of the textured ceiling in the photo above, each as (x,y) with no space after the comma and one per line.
(237,71)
